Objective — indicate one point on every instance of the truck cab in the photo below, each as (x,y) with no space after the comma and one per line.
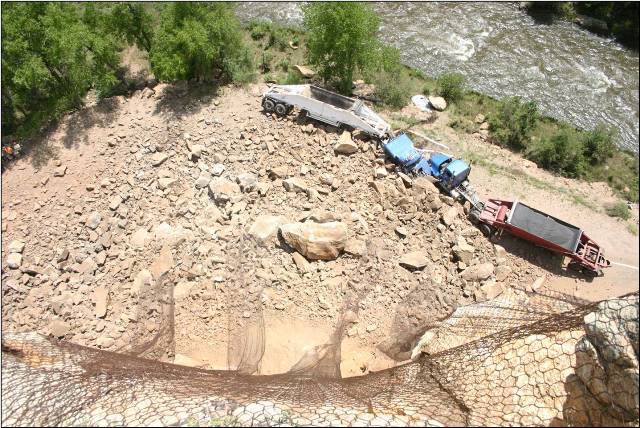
(449,172)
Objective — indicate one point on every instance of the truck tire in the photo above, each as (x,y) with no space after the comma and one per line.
(281,109)
(268,105)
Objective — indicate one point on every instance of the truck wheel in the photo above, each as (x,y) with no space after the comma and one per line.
(268,105)
(486,230)
(281,109)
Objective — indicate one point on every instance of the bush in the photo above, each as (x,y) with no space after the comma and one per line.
(393,90)
(258,29)
(598,144)
(341,40)
(562,153)
(284,64)
(512,124)
(451,87)
(292,78)
(619,209)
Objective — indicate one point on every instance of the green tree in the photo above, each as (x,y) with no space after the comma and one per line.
(195,40)
(513,122)
(341,40)
(132,23)
(50,58)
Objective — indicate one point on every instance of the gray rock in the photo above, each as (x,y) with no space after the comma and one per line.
(60,171)
(247,182)
(158,158)
(478,272)
(16,246)
(59,328)
(217,169)
(463,251)
(164,183)
(115,202)
(415,260)
(345,145)
(438,103)
(100,298)
(223,190)
(295,184)
(94,219)
(301,262)
(265,227)
(449,216)
(14,260)
(203,181)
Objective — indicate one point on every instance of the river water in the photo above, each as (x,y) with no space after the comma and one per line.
(569,72)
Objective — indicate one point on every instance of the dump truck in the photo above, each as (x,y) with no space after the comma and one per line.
(450,174)
(325,106)
(545,231)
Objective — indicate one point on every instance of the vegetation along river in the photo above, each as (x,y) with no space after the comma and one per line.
(569,72)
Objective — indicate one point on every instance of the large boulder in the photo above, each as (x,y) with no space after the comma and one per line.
(316,241)
(438,103)
(415,260)
(265,227)
(223,190)
(345,145)
(463,251)
(478,272)
(295,184)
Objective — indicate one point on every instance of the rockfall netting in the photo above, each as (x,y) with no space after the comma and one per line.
(579,367)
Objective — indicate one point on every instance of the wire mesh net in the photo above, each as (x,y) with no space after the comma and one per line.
(579,367)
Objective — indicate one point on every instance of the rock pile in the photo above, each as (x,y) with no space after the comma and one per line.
(152,196)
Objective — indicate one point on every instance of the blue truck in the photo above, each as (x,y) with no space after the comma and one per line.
(450,174)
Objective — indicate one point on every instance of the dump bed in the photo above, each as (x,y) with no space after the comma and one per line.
(328,107)
(545,226)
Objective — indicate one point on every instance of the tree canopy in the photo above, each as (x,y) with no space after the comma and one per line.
(50,58)
(195,39)
(341,39)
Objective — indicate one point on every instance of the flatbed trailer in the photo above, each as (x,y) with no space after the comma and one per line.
(545,231)
(325,106)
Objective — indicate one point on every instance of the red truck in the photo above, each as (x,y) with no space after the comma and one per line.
(545,231)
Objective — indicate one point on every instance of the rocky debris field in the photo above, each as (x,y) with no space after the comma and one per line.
(205,187)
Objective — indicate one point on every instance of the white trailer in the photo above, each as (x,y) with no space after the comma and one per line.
(325,106)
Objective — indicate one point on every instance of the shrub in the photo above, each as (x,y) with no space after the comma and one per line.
(619,209)
(341,40)
(258,29)
(292,78)
(393,90)
(562,152)
(451,87)
(513,122)
(598,144)
(284,64)
(633,228)
(240,67)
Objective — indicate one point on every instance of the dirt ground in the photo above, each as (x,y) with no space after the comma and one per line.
(102,218)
